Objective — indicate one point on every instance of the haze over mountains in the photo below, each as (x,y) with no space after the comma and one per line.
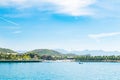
(65,52)
(84,52)
(90,52)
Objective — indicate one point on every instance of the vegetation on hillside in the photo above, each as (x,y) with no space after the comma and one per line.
(46,54)
(97,58)
(42,52)
(4,50)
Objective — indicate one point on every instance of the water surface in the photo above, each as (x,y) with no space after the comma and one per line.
(60,71)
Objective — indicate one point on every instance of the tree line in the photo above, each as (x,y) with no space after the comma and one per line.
(97,58)
(30,56)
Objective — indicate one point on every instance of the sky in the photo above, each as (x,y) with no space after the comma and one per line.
(60,24)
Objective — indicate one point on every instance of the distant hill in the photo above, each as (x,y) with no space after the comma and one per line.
(90,52)
(4,50)
(45,52)
(62,52)
(96,52)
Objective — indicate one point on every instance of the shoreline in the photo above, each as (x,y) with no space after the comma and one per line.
(49,61)
(19,61)
(59,61)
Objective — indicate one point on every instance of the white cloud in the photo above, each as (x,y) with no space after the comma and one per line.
(74,8)
(94,8)
(103,35)
(67,7)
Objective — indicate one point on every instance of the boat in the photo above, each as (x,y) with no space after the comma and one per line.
(80,63)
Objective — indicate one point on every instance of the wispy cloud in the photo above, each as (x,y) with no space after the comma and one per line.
(103,35)
(94,8)
(17,32)
(16,27)
(13,27)
(9,21)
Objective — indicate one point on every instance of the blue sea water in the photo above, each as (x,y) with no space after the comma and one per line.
(60,71)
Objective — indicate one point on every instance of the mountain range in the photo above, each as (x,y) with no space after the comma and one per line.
(64,52)
(90,52)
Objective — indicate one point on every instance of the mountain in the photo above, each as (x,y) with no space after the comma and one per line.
(4,50)
(62,52)
(96,52)
(91,52)
(45,52)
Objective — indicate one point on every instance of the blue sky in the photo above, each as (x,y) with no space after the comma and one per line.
(60,24)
